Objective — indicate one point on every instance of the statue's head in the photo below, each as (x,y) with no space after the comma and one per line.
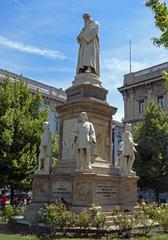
(87,17)
(46,125)
(127,127)
(83,116)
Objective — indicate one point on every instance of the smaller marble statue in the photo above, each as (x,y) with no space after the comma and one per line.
(84,137)
(45,151)
(127,157)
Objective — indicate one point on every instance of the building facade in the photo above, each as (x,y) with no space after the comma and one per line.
(52,96)
(139,88)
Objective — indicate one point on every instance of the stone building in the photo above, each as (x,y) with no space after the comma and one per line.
(139,88)
(52,96)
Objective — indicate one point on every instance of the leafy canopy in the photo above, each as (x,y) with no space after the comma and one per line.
(160,10)
(151,161)
(20,132)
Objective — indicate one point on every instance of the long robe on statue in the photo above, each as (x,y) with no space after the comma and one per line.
(88,55)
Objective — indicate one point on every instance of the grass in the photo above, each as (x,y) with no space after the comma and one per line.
(28,237)
(16,237)
(159,237)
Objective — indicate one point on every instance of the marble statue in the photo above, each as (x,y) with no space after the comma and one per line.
(127,157)
(88,40)
(45,154)
(84,137)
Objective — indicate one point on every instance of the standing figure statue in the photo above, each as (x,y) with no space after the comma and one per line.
(127,157)
(88,39)
(84,137)
(45,154)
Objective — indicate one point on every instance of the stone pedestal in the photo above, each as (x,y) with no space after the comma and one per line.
(81,190)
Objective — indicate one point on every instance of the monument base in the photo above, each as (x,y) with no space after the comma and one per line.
(80,190)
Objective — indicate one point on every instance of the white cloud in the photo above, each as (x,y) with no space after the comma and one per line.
(113,70)
(18,2)
(31,49)
(122,65)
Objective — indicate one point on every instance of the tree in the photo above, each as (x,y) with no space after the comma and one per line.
(152,151)
(160,9)
(20,132)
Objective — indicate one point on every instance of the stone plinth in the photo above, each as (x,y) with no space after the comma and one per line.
(86,91)
(81,190)
(87,78)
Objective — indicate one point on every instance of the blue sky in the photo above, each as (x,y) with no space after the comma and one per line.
(38,40)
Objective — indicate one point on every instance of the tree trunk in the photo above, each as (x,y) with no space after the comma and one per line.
(157,197)
(12,196)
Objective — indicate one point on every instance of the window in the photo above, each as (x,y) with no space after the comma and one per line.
(141,106)
(160,101)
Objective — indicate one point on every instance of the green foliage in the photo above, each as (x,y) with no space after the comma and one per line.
(93,211)
(151,162)
(9,211)
(124,222)
(13,236)
(7,214)
(100,221)
(160,10)
(159,214)
(91,218)
(20,132)
(97,218)
(55,216)
(83,220)
(144,222)
(137,222)
(2,217)
(19,210)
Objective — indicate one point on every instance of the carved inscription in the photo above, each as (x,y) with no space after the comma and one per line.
(62,188)
(104,191)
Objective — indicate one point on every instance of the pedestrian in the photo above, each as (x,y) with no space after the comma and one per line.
(4,200)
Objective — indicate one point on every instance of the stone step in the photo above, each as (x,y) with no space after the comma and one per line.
(109,219)
(31,211)
(108,213)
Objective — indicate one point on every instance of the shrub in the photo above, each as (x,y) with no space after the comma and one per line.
(143,221)
(97,219)
(19,210)
(124,222)
(9,211)
(100,221)
(162,217)
(94,210)
(159,214)
(42,214)
(83,219)
(55,216)
(2,217)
